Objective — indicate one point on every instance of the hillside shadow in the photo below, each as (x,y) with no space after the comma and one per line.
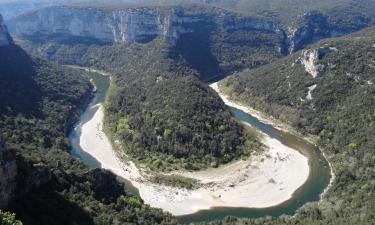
(46,206)
(39,199)
(69,40)
(196,49)
(19,92)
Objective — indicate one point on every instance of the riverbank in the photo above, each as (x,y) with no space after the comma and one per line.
(253,112)
(89,69)
(275,123)
(261,181)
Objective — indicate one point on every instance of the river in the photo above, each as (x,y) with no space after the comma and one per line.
(318,180)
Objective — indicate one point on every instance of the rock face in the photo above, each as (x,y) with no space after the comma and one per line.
(4,36)
(127,25)
(309,59)
(8,173)
(315,26)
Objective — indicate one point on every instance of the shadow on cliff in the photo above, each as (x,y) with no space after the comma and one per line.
(46,206)
(196,50)
(68,40)
(19,92)
(51,193)
(38,198)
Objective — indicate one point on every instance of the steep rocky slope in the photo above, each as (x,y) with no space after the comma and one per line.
(128,24)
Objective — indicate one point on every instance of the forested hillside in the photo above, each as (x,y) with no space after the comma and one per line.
(336,106)
(289,11)
(162,114)
(39,103)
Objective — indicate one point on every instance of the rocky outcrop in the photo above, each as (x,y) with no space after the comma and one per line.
(8,173)
(310,58)
(314,26)
(309,93)
(4,36)
(130,24)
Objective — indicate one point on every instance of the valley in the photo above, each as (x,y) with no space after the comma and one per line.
(220,112)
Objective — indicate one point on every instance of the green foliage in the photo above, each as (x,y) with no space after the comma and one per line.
(167,133)
(122,126)
(132,201)
(341,12)
(7,218)
(175,181)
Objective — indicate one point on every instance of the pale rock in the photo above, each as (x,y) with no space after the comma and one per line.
(309,93)
(127,25)
(310,58)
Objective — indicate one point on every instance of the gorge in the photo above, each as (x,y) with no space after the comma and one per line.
(224,112)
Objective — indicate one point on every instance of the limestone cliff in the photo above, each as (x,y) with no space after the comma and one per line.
(310,59)
(314,26)
(129,24)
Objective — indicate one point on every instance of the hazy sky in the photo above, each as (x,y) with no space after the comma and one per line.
(36,1)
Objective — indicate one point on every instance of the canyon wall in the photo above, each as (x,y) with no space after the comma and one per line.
(130,24)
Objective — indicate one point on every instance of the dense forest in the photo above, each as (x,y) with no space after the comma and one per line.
(39,103)
(162,114)
(340,113)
